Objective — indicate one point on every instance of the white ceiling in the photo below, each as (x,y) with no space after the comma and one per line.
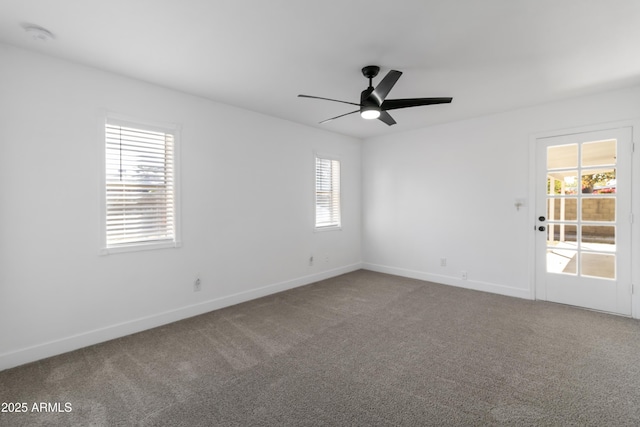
(489,55)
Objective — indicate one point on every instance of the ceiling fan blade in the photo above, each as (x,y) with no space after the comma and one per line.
(393,104)
(328,99)
(386,117)
(384,87)
(337,117)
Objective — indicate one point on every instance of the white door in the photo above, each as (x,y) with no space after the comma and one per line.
(583,220)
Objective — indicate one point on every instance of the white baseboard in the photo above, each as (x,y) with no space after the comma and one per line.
(74,342)
(452,281)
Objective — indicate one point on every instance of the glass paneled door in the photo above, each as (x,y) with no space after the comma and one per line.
(583,224)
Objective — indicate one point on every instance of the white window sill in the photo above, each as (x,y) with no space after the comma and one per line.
(136,247)
(328,228)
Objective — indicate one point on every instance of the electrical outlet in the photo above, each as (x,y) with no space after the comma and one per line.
(443,262)
(326,259)
(311,260)
(464,275)
(197,285)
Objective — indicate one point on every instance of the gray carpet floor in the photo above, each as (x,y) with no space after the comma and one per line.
(360,349)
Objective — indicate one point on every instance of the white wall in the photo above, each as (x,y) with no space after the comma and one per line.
(448,191)
(247,209)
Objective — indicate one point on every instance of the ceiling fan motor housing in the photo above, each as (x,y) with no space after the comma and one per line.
(366,100)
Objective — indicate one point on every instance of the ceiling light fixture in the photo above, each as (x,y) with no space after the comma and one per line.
(38,33)
(370,112)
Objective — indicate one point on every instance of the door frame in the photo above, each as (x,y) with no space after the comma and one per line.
(634,124)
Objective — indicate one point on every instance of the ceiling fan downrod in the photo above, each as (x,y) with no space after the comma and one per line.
(370,71)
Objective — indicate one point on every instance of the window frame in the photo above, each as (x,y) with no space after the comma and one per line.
(333,227)
(115,119)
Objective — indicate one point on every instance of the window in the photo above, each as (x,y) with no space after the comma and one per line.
(327,193)
(140,187)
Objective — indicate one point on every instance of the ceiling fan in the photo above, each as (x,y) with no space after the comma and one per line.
(373,103)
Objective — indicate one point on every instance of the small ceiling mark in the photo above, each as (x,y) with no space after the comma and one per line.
(38,33)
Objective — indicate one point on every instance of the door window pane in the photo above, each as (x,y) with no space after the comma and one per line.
(599,181)
(562,183)
(599,153)
(562,209)
(598,237)
(598,209)
(562,156)
(561,261)
(598,265)
(559,234)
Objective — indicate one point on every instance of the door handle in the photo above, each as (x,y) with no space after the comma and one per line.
(541,228)
(541,218)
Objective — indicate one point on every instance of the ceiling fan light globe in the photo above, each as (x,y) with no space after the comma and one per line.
(370,114)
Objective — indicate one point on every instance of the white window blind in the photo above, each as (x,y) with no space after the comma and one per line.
(327,193)
(140,193)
